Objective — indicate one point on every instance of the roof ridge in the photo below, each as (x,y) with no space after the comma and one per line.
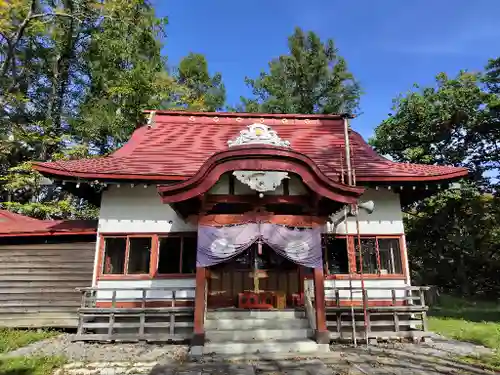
(331,116)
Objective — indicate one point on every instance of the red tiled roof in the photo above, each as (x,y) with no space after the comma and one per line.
(15,224)
(178,143)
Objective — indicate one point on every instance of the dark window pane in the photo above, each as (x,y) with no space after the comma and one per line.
(170,255)
(139,254)
(269,259)
(114,256)
(189,255)
(336,255)
(243,261)
(390,256)
(369,255)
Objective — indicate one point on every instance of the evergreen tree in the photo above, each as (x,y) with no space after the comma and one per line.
(205,92)
(311,78)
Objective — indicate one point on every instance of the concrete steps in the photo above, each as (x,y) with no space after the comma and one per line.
(256,347)
(259,332)
(255,314)
(252,323)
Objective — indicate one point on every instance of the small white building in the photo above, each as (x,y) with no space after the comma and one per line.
(249,211)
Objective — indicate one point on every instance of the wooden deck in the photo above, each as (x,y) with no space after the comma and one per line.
(169,323)
(372,313)
(399,313)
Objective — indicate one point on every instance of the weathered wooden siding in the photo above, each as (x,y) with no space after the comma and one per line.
(38,281)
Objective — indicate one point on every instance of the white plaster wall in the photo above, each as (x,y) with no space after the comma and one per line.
(379,294)
(138,209)
(387,217)
(156,295)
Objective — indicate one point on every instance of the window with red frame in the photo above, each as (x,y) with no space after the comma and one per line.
(177,254)
(126,255)
(380,255)
(335,254)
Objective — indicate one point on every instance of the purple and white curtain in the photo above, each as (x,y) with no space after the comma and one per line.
(219,244)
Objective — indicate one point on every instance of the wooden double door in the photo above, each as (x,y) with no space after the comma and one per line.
(275,274)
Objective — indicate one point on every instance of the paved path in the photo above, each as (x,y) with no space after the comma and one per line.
(349,361)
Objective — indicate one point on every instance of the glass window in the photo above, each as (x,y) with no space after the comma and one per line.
(175,253)
(189,255)
(387,251)
(139,255)
(390,256)
(336,255)
(114,256)
(169,255)
(369,255)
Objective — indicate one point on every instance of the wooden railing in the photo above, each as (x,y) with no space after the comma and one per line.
(376,312)
(166,316)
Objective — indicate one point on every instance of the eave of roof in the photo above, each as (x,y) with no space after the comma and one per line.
(13,224)
(177,144)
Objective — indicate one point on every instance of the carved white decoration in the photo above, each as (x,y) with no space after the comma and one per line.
(258,134)
(297,250)
(261,180)
(221,248)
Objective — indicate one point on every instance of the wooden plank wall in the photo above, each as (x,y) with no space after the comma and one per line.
(38,281)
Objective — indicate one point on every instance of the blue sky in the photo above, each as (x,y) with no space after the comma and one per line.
(388,44)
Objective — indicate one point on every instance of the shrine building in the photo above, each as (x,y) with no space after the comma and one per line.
(210,220)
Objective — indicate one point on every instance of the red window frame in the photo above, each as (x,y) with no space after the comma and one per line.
(182,236)
(351,249)
(153,261)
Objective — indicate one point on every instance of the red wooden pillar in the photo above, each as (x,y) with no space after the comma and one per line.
(322,334)
(199,308)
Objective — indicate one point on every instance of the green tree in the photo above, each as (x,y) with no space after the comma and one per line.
(492,76)
(311,78)
(460,251)
(123,74)
(205,92)
(74,75)
(453,123)
(448,124)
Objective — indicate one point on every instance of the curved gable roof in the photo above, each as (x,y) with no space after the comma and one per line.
(177,144)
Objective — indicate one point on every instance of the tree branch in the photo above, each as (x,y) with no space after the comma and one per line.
(18,35)
(20,32)
(42,15)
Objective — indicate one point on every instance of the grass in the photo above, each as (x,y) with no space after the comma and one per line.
(11,339)
(30,365)
(470,321)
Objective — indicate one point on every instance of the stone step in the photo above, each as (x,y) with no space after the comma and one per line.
(245,324)
(258,314)
(259,334)
(274,346)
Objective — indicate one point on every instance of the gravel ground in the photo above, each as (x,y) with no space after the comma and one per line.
(87,352)
(395,358)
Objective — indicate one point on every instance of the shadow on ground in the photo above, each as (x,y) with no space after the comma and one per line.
(260,365)
(408,359)
(375,360)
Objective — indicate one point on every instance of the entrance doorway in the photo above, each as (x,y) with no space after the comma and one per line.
(265,272)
